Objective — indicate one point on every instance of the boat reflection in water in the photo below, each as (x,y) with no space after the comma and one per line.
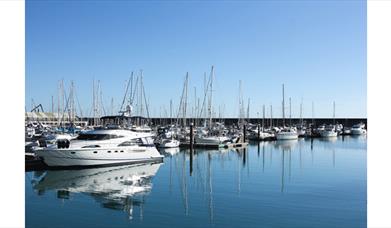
(285,144)
(118,188)
(168,152)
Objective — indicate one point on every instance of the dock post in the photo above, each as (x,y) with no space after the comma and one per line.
(191,148)
(191,137)
(259,132)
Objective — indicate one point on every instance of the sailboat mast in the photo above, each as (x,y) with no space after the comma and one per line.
(93,102)
(263,117)
(58,104)
(290,112)
(185,100)
(195,105)
(210,96)
(248,110)
(240,122)
(271,116)
(283,105)
(313,121)
(334,112)
(301,112)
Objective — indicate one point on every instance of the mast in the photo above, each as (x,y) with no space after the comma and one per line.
(283,106)
(240,121)
(290,112)
(301,112)
(146,103)
(62,100)
(97,104)
(141,94)
(313,121)
(170,111)
(248,110)
(210,96)
(271,116)
(93,103)
(183,102)
(195,105)
(334,112)
(263,117)
(112,106)
(71,108)
(58,104)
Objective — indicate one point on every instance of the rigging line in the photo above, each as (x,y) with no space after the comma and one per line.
(77,99)
(101,102)
(203,102)
(145,99)
(66,106)
(126,92)
(182,99)
(135,90)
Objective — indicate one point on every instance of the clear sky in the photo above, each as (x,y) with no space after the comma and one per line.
(317,48)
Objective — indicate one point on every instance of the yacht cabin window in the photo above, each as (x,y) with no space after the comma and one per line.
(97,136)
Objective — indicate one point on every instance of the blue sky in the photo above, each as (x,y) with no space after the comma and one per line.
(317,48)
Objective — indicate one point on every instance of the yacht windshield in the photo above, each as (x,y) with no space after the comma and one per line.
(97,136)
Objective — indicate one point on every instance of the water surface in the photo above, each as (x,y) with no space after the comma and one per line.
(305,183)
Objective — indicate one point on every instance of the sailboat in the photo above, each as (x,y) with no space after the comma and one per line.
(205,136)
(330,131)
(287,133)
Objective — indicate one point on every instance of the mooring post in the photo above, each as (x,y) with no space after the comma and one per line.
(191,137)
(191,148)
(259,132)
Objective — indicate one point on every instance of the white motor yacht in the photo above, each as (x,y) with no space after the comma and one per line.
(287,134)
(329,132)
(101,147)
(358,129)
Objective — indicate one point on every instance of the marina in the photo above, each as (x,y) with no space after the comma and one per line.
(195,114)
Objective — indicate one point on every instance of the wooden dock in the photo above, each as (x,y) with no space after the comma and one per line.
(214,146)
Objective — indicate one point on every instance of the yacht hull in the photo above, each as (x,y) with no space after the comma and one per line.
(287,136)
(97,157)
(211,140)
(358,131)
(327,134)
(171,144)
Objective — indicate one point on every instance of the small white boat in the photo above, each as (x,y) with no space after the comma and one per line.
(263,135)
(329,132)
(301,132)
(358,129)
(287,134)
(347,131)
(169,143)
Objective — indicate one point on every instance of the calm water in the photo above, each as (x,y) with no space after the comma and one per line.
(291,184)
